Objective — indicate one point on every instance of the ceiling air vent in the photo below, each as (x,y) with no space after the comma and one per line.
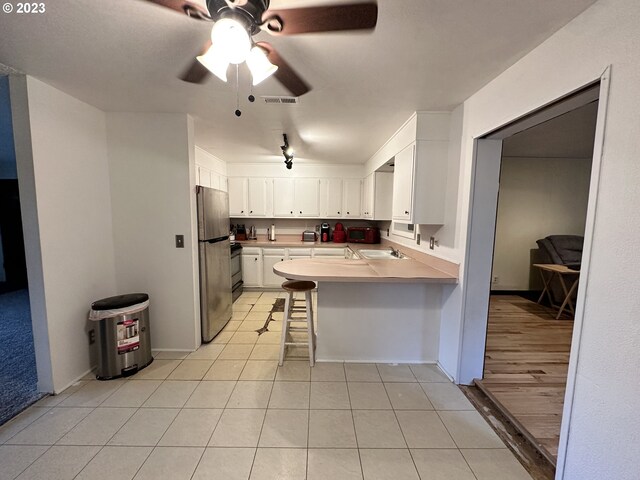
(281,100)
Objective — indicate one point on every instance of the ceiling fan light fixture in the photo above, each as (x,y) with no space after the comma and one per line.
(233,40)
(215,62)
(259,65)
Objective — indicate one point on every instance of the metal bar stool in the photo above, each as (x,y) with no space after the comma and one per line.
(290,309)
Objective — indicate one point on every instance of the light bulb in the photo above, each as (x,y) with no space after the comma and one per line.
(215,62)
(259,65)
(232,39)
(289,151)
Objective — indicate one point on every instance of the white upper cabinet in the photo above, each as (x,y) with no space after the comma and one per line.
(258,197)
(204,176)
(331,198)
(283,200)
(368,193)
(307,197)
(351,206)
(419,183)
(403,179)
(238,196)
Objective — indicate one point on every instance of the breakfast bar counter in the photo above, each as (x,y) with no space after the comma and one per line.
(361,270)
(371,310)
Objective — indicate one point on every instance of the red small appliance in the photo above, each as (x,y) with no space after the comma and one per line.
(339,235)
(363,235)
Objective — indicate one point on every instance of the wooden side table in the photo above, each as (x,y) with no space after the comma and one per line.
(550,270)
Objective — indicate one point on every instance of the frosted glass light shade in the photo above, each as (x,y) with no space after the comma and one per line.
(232,39)
(215,62)
(259,65)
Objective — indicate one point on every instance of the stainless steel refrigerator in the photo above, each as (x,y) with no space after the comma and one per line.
(215,261)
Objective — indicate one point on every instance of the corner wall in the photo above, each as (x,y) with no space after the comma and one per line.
(64,191)
(606,350)
(152,178)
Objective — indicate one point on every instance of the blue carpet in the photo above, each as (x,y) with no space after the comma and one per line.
(18,377)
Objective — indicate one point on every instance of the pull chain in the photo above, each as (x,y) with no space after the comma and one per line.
(238,112)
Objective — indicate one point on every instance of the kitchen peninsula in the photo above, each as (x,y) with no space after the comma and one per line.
(376,310)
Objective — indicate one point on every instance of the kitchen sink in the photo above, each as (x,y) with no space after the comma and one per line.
(380,255)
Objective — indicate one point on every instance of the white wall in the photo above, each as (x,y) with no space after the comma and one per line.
(72,216)
(538,197)
(152,177)
(604,422)
(299,170)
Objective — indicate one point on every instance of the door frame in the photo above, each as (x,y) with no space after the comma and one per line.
(485,177)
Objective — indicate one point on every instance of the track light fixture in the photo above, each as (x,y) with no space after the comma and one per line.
(287,151)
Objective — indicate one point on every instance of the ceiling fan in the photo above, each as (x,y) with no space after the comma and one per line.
(237,21)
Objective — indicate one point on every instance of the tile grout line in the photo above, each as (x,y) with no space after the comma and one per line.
(353,420)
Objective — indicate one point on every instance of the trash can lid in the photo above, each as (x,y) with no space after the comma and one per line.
(119,301)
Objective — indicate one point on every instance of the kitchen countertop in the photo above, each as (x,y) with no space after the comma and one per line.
(361,270)
(408,270)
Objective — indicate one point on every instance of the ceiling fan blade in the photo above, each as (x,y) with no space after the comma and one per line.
(191,9)
(285,74)
(328,18)
(196,72)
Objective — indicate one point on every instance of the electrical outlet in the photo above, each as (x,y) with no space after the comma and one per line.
(92,336)
(432,242)
(418,239)
(495,279)
(179,241)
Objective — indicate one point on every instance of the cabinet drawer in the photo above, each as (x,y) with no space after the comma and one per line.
(251,251)
(299,252)
(273,251)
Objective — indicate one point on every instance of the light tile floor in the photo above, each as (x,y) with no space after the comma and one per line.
(228,412)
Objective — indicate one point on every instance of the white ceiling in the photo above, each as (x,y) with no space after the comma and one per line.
(124,55)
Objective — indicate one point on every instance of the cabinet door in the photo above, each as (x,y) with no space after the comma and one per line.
(252,270)
(204,177)
(270,279)
(237,197)
(331,198)
(283,197)
(352,198)
(257,197)
(403,184)
(307,197)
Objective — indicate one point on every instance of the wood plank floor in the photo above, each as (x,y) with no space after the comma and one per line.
(526,363)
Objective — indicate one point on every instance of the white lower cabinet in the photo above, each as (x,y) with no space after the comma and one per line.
(252,267)
(258,263)
(271,256)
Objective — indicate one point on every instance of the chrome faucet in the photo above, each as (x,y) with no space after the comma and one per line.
(395,252)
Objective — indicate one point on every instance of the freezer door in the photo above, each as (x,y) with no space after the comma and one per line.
(215,287)
(213,213)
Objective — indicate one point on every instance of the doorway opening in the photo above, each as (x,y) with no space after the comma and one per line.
(481,238)
(541,214)
(18,374)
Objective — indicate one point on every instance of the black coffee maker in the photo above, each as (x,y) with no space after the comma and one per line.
(325,232)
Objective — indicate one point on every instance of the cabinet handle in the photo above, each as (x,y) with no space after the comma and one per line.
(347,213)
(300,211)
(292,212)
(255,259)
(251,211)
(339,213)
(241,211)
(406,212)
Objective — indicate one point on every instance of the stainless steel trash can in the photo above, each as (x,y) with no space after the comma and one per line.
(122,334)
